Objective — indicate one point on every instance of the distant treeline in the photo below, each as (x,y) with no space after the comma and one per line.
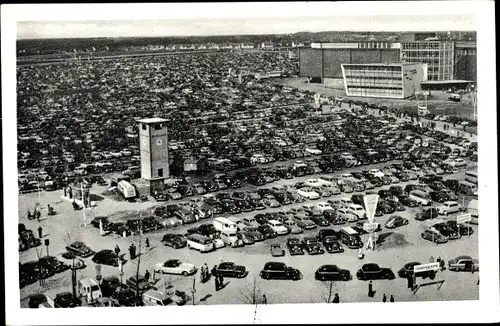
(50,46)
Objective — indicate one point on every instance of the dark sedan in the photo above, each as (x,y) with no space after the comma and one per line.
(280,271)
(294,246)
(460,228)
(80,249)
(175,241)
(66,300)
(407,271)
(407,201)
(312,246)
(447,231)
(319,220)
(332,273)
(267,231)
(230,269)
(54,265)
(332,245)
(396,221)
(106,257)
(374,272)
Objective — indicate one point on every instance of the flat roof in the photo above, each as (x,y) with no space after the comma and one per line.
(382,64)
(152,120)
(444,82)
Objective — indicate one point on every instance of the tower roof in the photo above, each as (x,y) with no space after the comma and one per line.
(152,120)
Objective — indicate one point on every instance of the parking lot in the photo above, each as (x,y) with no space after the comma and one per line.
(243,135)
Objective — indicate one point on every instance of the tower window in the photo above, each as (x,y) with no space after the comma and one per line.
(158,126)
(160,172)
(143,126)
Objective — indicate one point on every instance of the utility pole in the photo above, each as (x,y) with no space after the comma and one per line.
(139,256)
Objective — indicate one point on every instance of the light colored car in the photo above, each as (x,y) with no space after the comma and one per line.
(376,173)
(463,263)
(175,266)
(278,227)
(270,201)
(449,207)
(308,193)
(313,183)
(323,206)
(457,162)
(347,215)
(334,190)
(292,226)
(115,154)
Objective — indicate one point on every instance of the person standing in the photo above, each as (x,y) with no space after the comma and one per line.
(216,279)
(147,242)
(203,275)
(207,274)
(147,275)
(40,233)
(264,299)
(392,298)
(336,299)
(370,289)
(38,215)
(117,250)
(384,298)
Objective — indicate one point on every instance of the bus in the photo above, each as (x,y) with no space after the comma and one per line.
(126,189)
(471,176)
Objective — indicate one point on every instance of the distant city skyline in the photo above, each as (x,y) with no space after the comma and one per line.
(242,26)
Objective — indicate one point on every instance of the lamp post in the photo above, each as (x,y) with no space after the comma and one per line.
(83,209)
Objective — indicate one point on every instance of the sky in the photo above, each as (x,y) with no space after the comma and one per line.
(235,26)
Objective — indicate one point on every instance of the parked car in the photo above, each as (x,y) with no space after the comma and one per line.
(295,247)
(278,270)
(396,221)
(106,257)
(66,300)
(230,269)
(446,230)
(449,207)
(332,273)
(464,264)
(428,213)
(80,249)
(373,271)
(175,241)
(277,251)
(461,229)
(434,236)
(52,264)
(292,226)
(408,268)
(312,246)
(332,245)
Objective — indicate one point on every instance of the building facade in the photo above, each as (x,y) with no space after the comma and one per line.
(383,80)
(153,147)
(438,55)
(446,60)
(466,60)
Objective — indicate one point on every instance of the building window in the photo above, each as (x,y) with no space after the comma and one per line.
(160,172)
(158,126)
(143,126)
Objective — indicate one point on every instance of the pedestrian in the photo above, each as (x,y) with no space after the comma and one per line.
(214,270)
(431,260)
(410,282)
(134,250)
(40,232)
(117,250)
(216,281)
(29,215)
(130,252)
(392,298)
(336,299)
(207,274)
(370,290)
(147,275)
(38,215)
(264,299)
(442,265)
(203,275)
(147,242)
(384,298)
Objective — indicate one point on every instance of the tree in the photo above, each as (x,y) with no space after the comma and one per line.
(327,292)
(251,293)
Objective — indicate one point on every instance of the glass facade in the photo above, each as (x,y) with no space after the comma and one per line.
(374,80)
(438,55)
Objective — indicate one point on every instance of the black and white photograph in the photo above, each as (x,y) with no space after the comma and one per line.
(250,162)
